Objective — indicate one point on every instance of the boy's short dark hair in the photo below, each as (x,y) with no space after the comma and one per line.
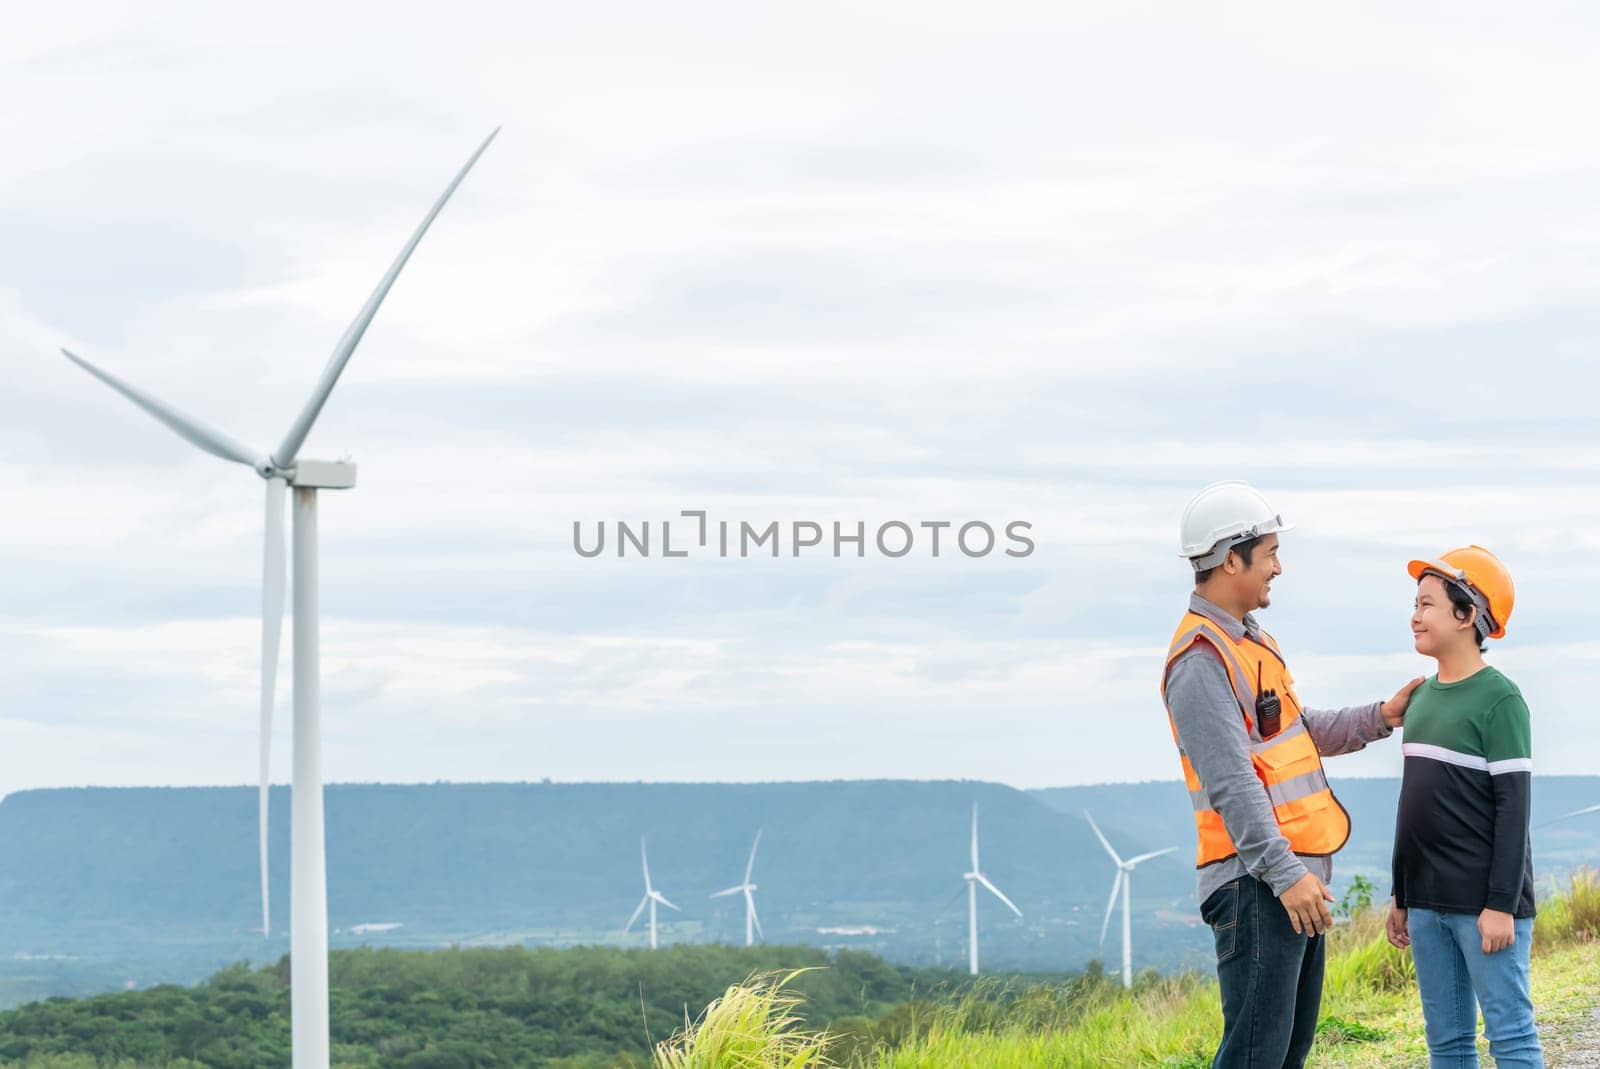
(1461,608)
(1244,549)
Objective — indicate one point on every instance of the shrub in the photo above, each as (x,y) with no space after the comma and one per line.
(752,1026)
(1570,918)
(1333,1029)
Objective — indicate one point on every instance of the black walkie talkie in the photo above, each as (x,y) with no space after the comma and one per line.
(1269,711)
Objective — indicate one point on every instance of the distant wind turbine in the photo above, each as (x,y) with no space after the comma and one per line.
(1123,882)
(281,469)
(651,897)
(1585,811)
(974,878)
(752,923)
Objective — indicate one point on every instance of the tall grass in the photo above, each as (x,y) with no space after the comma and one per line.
(1107,1027)
(1573,917)
(752,1026)
(1088,1022)
(1360,958)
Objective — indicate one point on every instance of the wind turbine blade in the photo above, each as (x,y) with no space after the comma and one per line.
(729,891)
(292,441)
(1575,813)
(974,836)
(750,900)
(1105,926)
(272,581)
(659,897)
(998,894)
(948,903)
(189,429)
(1153,853)
(751,867)
(642,903)
(1102,838)
(644,859)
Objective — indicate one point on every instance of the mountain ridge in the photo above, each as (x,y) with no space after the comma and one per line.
(161,882)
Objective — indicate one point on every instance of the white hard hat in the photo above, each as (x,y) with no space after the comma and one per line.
(1220,517)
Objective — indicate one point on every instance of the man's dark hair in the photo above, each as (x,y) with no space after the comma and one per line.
(1245,549)
(1461,608)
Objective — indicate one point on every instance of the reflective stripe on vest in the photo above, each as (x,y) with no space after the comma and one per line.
(1290,790)
(1296,728)
(1287,765)
(1297,787)
(1236,673)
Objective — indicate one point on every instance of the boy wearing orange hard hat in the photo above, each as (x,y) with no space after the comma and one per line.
(1463,866)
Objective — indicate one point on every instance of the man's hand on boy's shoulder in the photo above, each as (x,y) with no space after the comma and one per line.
(1394,710)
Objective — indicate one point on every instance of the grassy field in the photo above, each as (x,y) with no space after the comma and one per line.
(1371,1015)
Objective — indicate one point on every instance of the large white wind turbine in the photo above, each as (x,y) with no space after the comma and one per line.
(974,878)
(1123,882)
(752,923)
(283,468)
(651,897)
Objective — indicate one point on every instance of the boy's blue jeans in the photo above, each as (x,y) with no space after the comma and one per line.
(1454,975)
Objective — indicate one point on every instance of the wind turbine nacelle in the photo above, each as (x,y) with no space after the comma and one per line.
(324,474)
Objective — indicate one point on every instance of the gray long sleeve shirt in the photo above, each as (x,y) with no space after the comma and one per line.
(1212,732)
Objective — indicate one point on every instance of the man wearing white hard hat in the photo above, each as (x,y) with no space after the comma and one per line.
(1267,822)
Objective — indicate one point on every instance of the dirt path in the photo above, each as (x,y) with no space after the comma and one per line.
(1575,1046)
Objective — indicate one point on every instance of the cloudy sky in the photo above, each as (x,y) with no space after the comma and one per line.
(1059,264)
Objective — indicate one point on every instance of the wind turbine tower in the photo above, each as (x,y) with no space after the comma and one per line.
(1123,882)
(281,469)
(974,878)
(651,897)
(752,923)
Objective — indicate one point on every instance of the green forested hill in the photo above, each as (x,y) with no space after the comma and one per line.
(470,1009)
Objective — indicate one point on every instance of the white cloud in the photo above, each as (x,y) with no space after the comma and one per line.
(1061,264)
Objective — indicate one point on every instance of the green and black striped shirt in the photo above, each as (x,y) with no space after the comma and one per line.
(1461,840)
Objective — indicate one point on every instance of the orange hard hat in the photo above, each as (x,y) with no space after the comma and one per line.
(1486,580)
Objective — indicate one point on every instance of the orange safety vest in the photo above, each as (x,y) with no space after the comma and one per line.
(1288,764)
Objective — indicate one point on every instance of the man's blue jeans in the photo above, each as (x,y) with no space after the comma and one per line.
(1271,978)
(1455,975)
